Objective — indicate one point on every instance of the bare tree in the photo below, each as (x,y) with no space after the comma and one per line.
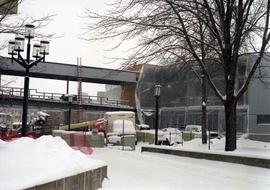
(11,23)
(216,30)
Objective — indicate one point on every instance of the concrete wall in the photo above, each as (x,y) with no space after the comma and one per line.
(89,180)
(258,162)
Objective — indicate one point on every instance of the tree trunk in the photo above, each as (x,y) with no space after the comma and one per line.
(204,116)
(230,118)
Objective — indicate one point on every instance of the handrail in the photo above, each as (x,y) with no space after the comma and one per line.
(35,94)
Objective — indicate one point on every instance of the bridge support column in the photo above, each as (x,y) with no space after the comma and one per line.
(69,115)
(67,92)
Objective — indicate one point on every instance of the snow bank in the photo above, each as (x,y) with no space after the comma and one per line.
(27,162)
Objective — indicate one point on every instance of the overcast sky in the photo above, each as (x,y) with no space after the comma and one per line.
(69,24)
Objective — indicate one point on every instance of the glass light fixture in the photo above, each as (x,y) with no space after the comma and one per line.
(157,90)
(29,30)
(11,48)
(44,47)
(19,44)
(36,50)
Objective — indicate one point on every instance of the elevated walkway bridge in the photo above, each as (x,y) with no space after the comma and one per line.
(12,97)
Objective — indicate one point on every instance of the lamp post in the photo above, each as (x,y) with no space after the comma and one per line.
(157,95)
(39,53)
(70,99)
(203,81)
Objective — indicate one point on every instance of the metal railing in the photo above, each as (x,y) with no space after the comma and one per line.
(34,94)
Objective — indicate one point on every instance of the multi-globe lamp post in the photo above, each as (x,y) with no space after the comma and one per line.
(70,100)
(15,48)
(157,95)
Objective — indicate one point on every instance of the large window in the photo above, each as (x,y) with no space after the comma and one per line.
(262,119)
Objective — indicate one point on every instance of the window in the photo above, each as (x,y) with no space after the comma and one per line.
(262,119)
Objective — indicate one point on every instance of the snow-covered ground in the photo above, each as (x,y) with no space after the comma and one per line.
(136,170)
(26,162)
(245,147)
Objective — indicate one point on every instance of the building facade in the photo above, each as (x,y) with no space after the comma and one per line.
(180,100)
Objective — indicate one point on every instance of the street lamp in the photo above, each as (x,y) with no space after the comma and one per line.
(202,77)
(157,95)
(39,52)
(70,99)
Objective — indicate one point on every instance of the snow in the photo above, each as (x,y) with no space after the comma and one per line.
(173,135)
(117,139)
(41,113)
(195,128)
(245,147)
(26,162)
(203,104)
(120,112)
(143,126)
(136,170)
(235,93)
(114,139)
(173,138)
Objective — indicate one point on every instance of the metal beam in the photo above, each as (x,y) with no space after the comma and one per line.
(60,71)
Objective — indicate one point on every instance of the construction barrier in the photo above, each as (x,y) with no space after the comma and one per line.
(68,137)
(76,140)
(80,143)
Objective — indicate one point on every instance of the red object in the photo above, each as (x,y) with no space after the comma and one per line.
(80,140)
(15,136)
(83,149)
(69,138)
(86,150)
(101,126)
(81,143)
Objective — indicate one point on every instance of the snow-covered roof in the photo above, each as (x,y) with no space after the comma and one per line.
(119,112)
